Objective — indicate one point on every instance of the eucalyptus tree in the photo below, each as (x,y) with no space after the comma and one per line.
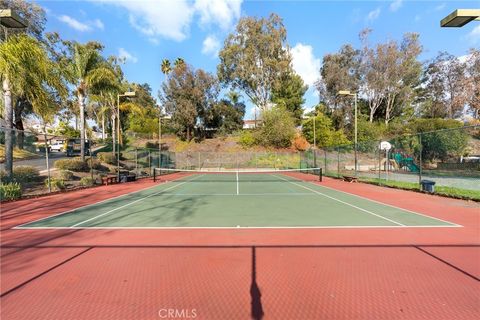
(26,71)
(254,57)
(87,69)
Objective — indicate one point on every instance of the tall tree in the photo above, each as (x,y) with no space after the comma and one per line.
(339,71)
(35,16)
(166,67)
(254,57)
(26,70)
(188,95)
(373,68)
(227,115)
(288,93)
(87,69)
(445,81)
(473,72)
(403,72)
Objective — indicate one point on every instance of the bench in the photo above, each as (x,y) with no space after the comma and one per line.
(350,179)
(109,180)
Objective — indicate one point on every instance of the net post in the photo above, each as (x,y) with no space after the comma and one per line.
(320,175)
(154,175)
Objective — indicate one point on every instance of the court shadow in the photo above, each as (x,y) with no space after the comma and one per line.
(255,293)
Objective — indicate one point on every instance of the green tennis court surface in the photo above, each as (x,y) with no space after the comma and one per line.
(232,200)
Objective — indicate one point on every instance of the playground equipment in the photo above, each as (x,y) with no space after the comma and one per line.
(405,162)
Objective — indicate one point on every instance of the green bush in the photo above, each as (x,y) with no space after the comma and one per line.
(107,157)
(22,175)
(65,175)
(75,164)
(325,133)
(56,184)
(87,181)
(277,129)
(246,139)
(10,191)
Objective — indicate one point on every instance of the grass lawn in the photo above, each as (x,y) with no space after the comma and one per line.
(18,154)
(440,190)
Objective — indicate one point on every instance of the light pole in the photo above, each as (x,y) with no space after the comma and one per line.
(348,93)
(460,17)
(126,94)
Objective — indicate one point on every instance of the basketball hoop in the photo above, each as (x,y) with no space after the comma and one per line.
(385,145)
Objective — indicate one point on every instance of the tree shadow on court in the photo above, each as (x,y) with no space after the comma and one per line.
(255,293)
(154,214)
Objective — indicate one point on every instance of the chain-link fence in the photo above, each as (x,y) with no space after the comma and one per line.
(46,162)
(449,157)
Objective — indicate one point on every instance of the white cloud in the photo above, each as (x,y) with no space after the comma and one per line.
(162,18)
(99,24)
(474,35)
(440,7)
(75,24)
(372,15)
(218,12)
(305,64)
(395,5)
(81,26)
(211,46)
(124,54)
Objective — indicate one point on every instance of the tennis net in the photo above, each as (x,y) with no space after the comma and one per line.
(257,175)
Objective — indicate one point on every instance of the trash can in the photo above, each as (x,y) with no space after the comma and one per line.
(428,186)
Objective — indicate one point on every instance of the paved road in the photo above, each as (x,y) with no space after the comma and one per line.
(39,163)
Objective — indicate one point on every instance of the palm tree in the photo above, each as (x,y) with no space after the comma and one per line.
(179,62)
(87,69)
(26,71)
(166,68)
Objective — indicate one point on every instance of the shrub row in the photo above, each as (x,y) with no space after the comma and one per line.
(10,191)
(22,175)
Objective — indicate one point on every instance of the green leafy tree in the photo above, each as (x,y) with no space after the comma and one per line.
(87,69)
(325,133)
(27,71)
(289,92)
(339,71)
(277,129)
(188,96)
(254,57)
(438,143)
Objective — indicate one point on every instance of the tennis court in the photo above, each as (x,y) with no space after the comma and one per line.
(304,249)
(263,199)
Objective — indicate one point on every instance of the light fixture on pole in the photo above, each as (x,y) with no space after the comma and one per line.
(126,94)
(348,93)
(460,17)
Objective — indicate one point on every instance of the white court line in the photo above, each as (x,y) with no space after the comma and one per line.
(233,228)
(346,203)
(130,203)
(241,194)
(390,205)
(237,184)
(92,204)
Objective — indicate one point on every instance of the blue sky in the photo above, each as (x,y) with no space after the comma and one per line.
(145,32)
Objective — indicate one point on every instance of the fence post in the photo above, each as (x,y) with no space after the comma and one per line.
(46,158)
(379,163)
(420,161)
(338,162)
(136,160)
(325,152)
(149,163)
(91,159)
